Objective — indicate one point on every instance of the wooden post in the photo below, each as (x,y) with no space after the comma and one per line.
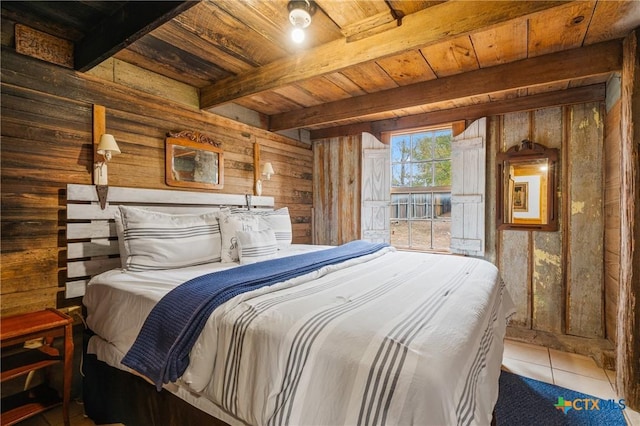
(257,181)
(99,128)
(628,327)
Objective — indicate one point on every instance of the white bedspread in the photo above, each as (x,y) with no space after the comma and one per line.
(392,338)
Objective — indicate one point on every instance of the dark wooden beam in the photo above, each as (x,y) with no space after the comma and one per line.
(439,23)
(594,92)
(595,60)
(126,25)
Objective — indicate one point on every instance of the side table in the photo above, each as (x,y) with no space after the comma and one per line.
(18,329)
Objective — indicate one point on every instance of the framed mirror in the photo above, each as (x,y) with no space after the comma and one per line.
(526,188)
(193,160)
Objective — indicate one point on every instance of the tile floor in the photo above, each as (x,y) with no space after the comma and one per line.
(572,371)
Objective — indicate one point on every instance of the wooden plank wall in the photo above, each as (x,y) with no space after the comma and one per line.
(46,144)
(556,278)
(612,209)
(336,189)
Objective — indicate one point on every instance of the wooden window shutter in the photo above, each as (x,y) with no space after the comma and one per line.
(468,152)
(376,190)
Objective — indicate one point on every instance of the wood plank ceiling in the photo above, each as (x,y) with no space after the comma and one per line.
(362,61)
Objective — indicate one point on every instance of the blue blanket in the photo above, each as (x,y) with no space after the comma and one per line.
(161,350)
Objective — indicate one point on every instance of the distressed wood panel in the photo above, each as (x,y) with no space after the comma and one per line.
(468,161)
(513,261)
(513,246)
(336,190)
(612,208)
(547,286)
(43,46)
(585,221)
(46,127)
(375,190)
(349,190)
(493,141)
(541,285)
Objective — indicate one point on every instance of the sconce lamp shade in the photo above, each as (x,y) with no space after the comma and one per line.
(267,170)
(108,146)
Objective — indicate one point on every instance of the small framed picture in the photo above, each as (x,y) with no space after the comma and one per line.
(520,197)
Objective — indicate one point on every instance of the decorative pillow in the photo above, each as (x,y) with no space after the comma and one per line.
(230,223)
(254,246)
(280,222)
(154,240)
(122,247)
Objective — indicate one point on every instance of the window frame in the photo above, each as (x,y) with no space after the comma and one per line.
(432,191)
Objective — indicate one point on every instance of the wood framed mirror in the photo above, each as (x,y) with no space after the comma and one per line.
(193,160)
(526,188)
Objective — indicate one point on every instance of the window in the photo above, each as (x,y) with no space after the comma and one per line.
(421,189)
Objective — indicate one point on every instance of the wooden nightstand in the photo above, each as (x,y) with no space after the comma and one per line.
(17,329)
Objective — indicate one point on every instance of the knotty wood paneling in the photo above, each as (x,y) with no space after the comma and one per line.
(46,144)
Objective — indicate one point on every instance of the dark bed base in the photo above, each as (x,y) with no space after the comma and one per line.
(115,396)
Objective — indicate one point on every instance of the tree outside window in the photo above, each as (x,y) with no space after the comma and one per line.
(421,189)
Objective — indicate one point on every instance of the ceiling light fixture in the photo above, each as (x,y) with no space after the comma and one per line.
(300,13)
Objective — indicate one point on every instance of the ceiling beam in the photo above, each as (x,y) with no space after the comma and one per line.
(133,20)
(594,60)
(577,95)
(435,24)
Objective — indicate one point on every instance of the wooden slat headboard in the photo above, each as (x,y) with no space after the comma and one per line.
(92,243)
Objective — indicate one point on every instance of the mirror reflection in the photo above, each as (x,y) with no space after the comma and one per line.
(527,183)
(194,165)
(526,195)
(193,162)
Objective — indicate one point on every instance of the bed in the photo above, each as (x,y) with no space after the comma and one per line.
(372,336)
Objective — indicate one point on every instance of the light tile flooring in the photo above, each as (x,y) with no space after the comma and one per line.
(572,371)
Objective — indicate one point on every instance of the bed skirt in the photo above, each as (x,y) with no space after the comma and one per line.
(114,396)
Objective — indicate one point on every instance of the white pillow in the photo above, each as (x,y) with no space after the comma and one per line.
(230,223)
(154,240)
(254,246)
(280,221)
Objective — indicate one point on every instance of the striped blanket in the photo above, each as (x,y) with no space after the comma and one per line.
(403,338)
(389,338)
(161,351)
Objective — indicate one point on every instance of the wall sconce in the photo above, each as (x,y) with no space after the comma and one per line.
(267,170)
(107,148)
